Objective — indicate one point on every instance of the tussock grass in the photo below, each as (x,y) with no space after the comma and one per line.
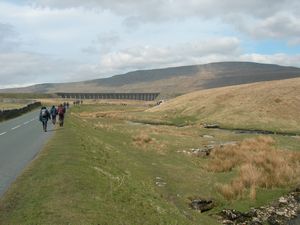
(259,164)
(142,139)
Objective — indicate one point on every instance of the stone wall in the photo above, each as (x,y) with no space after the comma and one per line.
(12,113)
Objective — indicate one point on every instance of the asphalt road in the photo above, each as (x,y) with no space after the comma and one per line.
(20,141)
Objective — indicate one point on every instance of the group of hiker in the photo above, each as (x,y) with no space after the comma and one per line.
(59,111)
(78,102)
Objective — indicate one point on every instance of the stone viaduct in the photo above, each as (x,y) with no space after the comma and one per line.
(129,96)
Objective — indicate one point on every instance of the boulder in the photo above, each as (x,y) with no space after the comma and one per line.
(202,205)
(214,125)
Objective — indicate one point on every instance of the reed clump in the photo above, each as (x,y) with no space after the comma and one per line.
(258,164)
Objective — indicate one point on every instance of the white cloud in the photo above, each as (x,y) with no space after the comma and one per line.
(278,26)
(71,40)
(270,16)
(141,57)
(104,43)
(9,39)
(208,8)
(155,10)
(28,68)
(52,31)
(279,58)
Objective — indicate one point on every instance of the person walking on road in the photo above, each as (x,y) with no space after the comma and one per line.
(61,114)
(44,116)
(53,112)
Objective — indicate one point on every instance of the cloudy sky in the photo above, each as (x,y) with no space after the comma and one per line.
(72,40)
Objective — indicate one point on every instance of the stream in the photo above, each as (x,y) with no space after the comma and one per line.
(295,221)
(245,131)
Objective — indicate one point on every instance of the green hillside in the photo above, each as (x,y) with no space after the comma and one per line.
(176,80)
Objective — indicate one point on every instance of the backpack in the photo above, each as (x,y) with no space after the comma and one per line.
(44,113)
(61,111)
(53,111)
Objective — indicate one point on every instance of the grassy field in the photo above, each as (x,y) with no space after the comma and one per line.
(5,106)
(19,100)
(26,95)
(108,166)
(272,105)
(12,103)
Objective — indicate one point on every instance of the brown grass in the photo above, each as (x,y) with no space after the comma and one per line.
(142,139)
(145,142)
(54,101)
(107,127)
(109,114)
(260,105)
(259,164)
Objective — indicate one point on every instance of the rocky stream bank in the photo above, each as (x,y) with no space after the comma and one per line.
(284,211)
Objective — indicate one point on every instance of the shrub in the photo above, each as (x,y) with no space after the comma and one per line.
(259,164)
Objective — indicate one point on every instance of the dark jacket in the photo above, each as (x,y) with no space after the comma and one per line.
(53,111)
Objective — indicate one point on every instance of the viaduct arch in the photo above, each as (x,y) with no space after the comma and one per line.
(128,96)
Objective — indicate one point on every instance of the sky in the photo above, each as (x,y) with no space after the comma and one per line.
(51,41)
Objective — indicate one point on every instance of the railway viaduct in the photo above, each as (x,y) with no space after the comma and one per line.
(129,96)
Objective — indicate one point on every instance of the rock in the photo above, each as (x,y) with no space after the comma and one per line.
(273,221)
(255,221)
(252,214)
(230,214)
(228,143)
(205,151)
(281,212)
(207,136)
(202,205)
(293,214)
(159,182)
(227,222)
(210,147)
(215,125)
(282,200)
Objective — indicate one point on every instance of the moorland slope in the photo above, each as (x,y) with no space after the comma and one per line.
(272,105)
(172,81)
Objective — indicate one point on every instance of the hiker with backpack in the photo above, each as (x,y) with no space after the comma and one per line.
(53,113)
(44,116)
(61,114)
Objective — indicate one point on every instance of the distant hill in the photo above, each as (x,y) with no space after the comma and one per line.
(271,105)
(174,80)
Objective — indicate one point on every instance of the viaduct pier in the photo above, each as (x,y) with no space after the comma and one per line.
(128,96)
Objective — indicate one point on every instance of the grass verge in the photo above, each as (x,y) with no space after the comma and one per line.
(104,170)
(89,175)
